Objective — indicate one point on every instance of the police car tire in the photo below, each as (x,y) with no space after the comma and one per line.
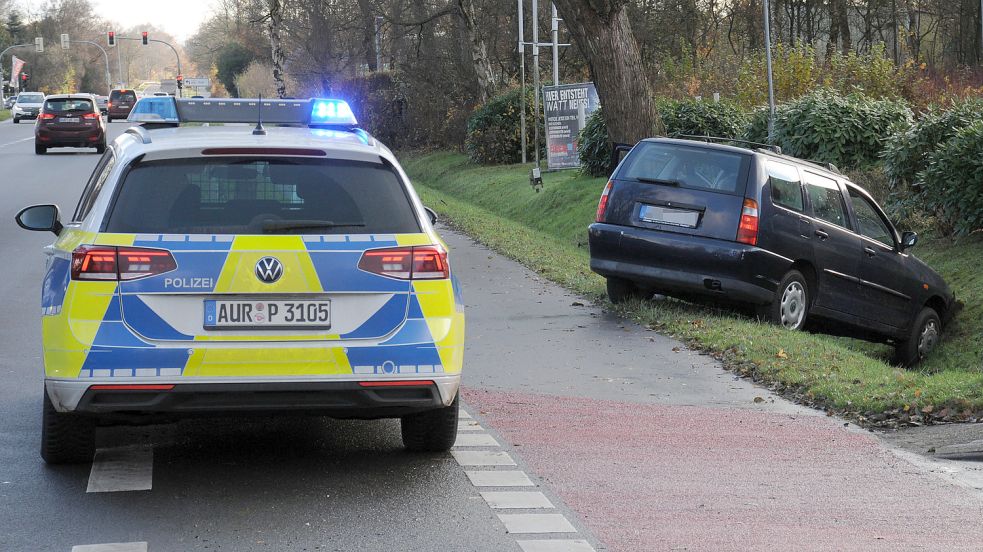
(431,431)
(66,438)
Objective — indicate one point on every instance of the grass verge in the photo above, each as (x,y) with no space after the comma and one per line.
(546,232)
(4,114)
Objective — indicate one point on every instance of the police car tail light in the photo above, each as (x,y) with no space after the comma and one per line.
(94,262)
(427,262)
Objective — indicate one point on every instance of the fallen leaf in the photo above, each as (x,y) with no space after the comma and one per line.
(781,354)
(759,399)
(928,409)
(675,349)
(576,304)
(918,393)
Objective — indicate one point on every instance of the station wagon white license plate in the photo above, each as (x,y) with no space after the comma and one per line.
(225,315)
(668,215)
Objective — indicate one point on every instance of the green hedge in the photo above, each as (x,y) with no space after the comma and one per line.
(954,182)
(494,130)
(848,131)
(595,146)
(703,118)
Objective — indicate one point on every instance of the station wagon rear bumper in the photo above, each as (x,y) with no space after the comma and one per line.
(343,398)
(671,262)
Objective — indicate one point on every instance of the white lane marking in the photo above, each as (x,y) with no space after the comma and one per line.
(112,547)
(536,523)
(122,469)
(16,142)
(463,414)
(482,458)
(475,440)
(469,425)
(499,478)
(516,499)
(555,545)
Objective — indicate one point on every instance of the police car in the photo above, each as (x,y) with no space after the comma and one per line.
(286,267)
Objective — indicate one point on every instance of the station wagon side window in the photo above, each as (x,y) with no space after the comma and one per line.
(870,222)
(826,199)
(99,176)
(786,188)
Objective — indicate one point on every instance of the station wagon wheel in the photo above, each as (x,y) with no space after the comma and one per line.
(790,307)
(924,336)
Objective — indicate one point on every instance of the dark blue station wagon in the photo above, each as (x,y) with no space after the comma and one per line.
(798,241)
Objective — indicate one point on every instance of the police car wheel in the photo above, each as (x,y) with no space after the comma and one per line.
(431,431)
(66,438)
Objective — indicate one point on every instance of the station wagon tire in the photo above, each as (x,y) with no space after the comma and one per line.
(40,150)
(926,332)
(66,438)
(621,290)
(431,431)
(790,309)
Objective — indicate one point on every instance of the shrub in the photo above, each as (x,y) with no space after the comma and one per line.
(379,104)
(848,131)
(702,118)
(954,174)
(595,146)
(494,130)
(907,153)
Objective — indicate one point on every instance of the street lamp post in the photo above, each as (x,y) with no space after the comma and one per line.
(168,44)
(7,49)
(771,82)
(105,56)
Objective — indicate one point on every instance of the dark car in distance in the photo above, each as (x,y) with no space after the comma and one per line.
(69,120)
(120,103)
(797,240)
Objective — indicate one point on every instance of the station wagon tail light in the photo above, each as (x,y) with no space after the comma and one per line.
(602,205)
(95,262)
(427,262)
(747,230)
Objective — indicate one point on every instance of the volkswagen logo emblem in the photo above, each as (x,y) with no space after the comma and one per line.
(269,269)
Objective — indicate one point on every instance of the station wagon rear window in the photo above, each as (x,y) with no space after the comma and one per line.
(687,167)
(261,196)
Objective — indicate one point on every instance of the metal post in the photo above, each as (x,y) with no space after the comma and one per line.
(556,46)
(535,75)
(119,63)
(109,76)
(378,43)
(522,71)
(771,83)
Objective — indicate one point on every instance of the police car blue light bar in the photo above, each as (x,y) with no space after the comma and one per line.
(313,112)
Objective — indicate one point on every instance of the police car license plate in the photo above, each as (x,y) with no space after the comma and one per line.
(220,315)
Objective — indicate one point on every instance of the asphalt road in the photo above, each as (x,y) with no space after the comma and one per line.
(621,439)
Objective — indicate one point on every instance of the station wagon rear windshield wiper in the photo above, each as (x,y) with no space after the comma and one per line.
(272,227)
(663,181)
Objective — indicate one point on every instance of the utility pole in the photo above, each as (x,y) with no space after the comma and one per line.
(535,80)
(771,82)
(378,43)
(522,71)
(555,29)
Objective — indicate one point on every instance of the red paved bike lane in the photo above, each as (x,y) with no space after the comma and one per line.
(656,477)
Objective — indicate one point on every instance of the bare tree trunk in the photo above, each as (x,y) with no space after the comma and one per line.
(844,25)
(603,33)
(368,34)
(834,29)
(479,53)
(274,24)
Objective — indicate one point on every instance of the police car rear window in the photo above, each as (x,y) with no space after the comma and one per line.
(261,196)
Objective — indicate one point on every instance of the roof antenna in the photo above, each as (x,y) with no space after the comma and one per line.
(259,130)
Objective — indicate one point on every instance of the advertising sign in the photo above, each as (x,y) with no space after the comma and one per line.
(15,70)
(566,108)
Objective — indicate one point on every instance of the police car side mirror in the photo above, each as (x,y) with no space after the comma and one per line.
(40,218)
(432,214)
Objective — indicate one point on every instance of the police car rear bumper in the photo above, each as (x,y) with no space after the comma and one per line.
(376,398)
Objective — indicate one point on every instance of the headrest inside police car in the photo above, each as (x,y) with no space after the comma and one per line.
(314,112)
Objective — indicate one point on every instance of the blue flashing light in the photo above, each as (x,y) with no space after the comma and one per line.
(332,112)
(154,109)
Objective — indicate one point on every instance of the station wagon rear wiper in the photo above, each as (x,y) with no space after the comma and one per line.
(662,181)
(270,227)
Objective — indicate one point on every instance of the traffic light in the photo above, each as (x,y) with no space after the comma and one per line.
(180,82)
(146,40)
(111,37)
(24,78)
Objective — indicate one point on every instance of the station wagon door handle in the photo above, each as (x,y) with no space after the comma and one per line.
(822,235)
(870,251)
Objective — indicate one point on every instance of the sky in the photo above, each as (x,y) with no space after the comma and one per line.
(178,17)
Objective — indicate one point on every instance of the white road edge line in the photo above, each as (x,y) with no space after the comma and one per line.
(516,499)
(555,545)
(122,469)
(536,523)
(112,547)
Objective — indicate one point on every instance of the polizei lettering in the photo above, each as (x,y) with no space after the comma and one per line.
(189,283)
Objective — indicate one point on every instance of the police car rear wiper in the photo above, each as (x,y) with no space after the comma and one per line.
(278,226)
(662,181)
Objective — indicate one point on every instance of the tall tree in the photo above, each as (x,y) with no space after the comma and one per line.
(274,25)
(604,36)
